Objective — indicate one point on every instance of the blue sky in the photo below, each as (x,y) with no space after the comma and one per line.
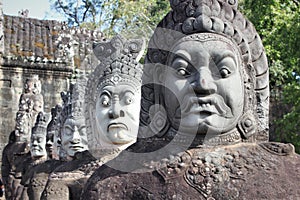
(39,9)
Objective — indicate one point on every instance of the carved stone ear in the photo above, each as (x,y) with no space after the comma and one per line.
(247,125)
(158,73)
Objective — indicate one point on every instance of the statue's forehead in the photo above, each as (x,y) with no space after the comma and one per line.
(119,87)
(74,119)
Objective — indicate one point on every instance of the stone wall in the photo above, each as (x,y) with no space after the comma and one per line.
(12,81)
(47,48)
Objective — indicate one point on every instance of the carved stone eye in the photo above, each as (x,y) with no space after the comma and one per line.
(128,100)
(105,101)
(224,72)
(181,72)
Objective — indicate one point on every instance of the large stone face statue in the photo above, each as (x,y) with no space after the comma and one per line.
(204,118)
(113,96)
(208,92)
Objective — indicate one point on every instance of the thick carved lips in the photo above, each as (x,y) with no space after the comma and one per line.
(76,147)
(213,104)
(36,149)
(116,125)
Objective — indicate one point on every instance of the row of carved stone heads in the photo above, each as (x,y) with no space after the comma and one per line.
(59,146)
(190,123)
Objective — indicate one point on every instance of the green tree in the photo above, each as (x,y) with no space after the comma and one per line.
(113,16)
(278,23)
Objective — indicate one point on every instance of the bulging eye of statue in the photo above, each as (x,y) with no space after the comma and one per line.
(68,131)
(180,65)
(225,72)
(105,101)
(82,130)
(128,98)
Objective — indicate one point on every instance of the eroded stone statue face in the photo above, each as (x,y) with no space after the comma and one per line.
(207,84)
(73,136)
(33,86)
(38,145)
(49,142)
(117,113)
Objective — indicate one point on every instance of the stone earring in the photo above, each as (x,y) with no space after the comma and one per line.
(247,125)
(159,123)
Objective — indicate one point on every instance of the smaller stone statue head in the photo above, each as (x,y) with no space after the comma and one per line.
(73,136)
(52,130)
(33,85)
(113,94)
(38,136)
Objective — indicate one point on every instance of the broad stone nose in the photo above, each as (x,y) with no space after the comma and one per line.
(76,135)
(115,111)
(203,82)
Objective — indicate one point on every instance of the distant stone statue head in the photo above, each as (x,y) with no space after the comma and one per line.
(73,136)
(52,132)
(33,85)
(38,136)
(211,74)
(113,95)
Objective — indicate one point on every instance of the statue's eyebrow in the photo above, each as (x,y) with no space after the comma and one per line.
(81,127)
(105,92)
(227,53)
(183,54)
(68,126)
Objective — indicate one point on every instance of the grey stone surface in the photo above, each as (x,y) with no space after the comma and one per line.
(204,118)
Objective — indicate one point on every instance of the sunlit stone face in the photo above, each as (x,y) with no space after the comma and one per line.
(38,145)
(73,136)
(117,113)
(208,87)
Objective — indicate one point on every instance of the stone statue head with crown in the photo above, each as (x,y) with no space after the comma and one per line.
(73,136)
(38,136)
(113,95)
(210,73)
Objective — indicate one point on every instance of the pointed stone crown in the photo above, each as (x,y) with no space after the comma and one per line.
(73,100)
(119,62)
(41,123)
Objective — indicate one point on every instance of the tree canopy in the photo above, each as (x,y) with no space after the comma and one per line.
(278,23)
(113,16)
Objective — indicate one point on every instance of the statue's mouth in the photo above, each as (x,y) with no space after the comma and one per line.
(116,126)
(36,149)
(205,106)
(76,147)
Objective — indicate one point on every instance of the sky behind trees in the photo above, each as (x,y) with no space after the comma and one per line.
(39,9)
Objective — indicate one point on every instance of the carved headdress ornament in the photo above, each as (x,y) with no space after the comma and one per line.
(73,100)
(41,124)
(119,63)
(55,112)
(215,17)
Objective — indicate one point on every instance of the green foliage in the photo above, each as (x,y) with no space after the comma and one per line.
(114,16)
(278,23)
